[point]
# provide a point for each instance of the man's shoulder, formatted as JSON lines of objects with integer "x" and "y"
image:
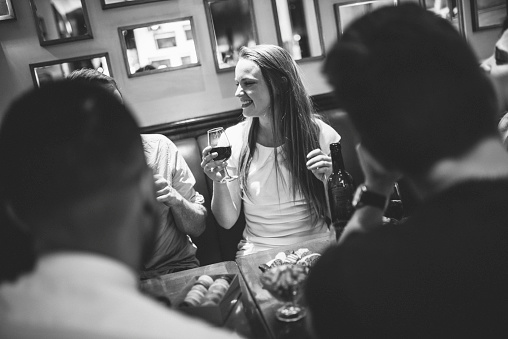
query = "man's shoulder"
{"x": 156, "y": 138}
{"x": 129, "y": 314}
{"x": 157, "y": 144}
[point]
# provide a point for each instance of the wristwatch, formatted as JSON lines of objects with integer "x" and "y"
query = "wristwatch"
{"x": 364, "y": 197}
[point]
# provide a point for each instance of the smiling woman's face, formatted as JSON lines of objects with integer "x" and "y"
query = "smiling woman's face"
{"x": 497, "y": 63}
{"x": 252, "y": 89}
{"x": 503, "y": 129}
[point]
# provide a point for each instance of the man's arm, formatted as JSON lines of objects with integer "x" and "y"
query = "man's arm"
{"x": 189, "y": 216}
{"x": 378, "y": 180}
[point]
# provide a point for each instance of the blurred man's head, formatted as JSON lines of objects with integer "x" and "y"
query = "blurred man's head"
{"x": 73, "y": 171}
{"x": 95, "y": 77}
{"x": 412, "y": 87}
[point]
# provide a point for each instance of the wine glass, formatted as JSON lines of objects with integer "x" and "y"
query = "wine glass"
{"x": 285, "y": 283}
{"x": 218, "y": 139}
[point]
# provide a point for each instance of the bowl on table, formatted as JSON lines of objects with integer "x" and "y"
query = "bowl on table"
{"x": 285, "y": 283}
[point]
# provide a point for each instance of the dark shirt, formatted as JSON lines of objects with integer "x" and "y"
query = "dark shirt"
{"x": 441, "y": 274}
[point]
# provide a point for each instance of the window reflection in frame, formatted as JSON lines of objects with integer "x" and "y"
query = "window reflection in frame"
{"x": 298, "y": 26}
{"x": 6, "y": 10}
{"x": 159, "y": 46}
{"x": 488, "y": 14}
{"x": 108, "y": 4}
{"x": 60, "y": 21}
{"x": 232, "y": 25}
{"x": 451, "y": 10}
{"x": 47, "y": 71}
{"x": 347, "y": 12}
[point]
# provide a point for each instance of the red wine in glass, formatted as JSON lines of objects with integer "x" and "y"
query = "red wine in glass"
{"x": 218, "y": 139}
{"x": 223, "y": 151}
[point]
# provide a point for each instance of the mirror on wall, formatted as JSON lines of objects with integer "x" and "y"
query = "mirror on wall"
{"x": 159, "y": 46}
{"x": 59, "y": 21}
{"x": 488, "y": 14}
{"x": 44, "y": 72}
{"x": 232, "y": 25}
{"x": 450, "y": 10}
{"x": 299, "y": 28}
{"x": 107, "y": 4}
{"x": 346, "y": 13}
{"x": 6, "y": 10}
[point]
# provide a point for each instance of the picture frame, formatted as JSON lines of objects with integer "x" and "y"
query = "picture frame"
{"x": 159, "y": 46}
{"x": 108, "y": 4}
{"x": 451, "y": 10}
{"x": 347, "y": 12}
{"x": 488, "y": 14}
{"x": 298, "y": 26}
{"x": 7, "y": 10}
{"x": 61, "y": 21}
{"x": 232, "y": 25}
{"x": 47, "y": 71}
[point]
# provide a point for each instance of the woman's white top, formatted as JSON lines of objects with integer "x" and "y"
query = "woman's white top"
{"x": 273, "y": 216}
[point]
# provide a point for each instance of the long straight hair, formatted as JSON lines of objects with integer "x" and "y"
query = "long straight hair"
{"x": 294, "y": 125}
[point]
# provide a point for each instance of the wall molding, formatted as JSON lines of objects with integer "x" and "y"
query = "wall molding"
{"x": 189, "y": 128}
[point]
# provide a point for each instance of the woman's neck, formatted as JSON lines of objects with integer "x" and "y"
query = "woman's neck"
{"x": 265, "y": 135}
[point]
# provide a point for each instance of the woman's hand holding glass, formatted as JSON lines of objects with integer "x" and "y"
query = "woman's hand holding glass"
{"x": 319, "y": 164}
{"x": 214, "y": 169}
{"x": 215, "y": 155}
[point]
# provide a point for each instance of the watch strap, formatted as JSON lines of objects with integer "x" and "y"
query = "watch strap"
{"x": 365, "y": 197}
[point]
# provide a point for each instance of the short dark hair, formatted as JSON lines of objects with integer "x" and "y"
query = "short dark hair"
{"x": 412, "y": 87}
{"x": 94, "y": 77}
{"x": 65, "y": 142}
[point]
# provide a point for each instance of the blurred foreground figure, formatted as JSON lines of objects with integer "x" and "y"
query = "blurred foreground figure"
{"x": 74, "y": 173}
{"x": 424, "y": 109}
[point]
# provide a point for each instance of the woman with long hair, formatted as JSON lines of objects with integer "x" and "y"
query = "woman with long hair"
{"x": 279, "y": 152}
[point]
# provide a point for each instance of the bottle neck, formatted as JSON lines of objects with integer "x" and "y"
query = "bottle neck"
{"x": 337, "y": 161}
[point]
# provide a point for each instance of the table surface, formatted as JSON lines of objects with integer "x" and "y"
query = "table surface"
{"x": 244, "y": 318}
{"x": 249, "y": 267}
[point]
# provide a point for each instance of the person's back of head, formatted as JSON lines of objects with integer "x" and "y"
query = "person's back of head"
{"x": 71, "y": 156}
{"x": 412, "y": 87}
{"x": 92, "y": 76}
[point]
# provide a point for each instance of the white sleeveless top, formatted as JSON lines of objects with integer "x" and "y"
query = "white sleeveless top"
{"x": 273, "y": 217}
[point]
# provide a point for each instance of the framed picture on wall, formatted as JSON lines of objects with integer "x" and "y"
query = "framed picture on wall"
{"x": 450, "y": 10}
{"x": 488, "y": 13}
{"x": 6, "y": 10}
{"x": 346, "y": 13}
{"x": 61, "y": 21}
{"x": 298, "y": 26}
{"x": 107, "y": 4}
{"x": 47, "y": 71}
{"x": 232, "y": 25}
{"x": 159, "y": 46}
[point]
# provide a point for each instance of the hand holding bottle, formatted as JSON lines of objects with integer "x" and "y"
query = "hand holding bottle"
{"x": 320, "y": 164}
